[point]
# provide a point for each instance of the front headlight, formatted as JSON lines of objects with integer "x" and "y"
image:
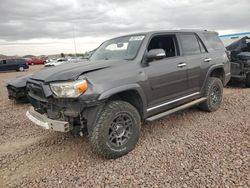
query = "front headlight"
{"x": 70, "y": 89}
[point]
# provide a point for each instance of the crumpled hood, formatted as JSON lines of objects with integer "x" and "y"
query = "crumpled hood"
{"x": 70, "y": 71}
{"x": 19, "y": 81}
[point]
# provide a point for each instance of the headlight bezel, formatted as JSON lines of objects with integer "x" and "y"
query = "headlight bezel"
{"x": 69, "y": 89}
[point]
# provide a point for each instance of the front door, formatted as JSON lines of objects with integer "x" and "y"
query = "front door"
{"x": 167, "y": 77}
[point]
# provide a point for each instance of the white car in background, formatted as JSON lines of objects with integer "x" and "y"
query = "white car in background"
{"x": 56, "y": 62}
{"x": 61, "y": 61}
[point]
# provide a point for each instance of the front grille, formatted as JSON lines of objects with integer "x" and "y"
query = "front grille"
{"x": 41, "y": 103}
{"x": 36, "y": 96}
{"x": 35, "y": 88}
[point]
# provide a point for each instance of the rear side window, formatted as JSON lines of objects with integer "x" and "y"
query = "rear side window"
{"x": 11, "y": 61}
{"x": 214, "y": 41}
{"x": 190, "y": 45}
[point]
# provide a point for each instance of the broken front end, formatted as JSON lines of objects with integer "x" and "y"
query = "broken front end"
{"x": 60, "y": 114}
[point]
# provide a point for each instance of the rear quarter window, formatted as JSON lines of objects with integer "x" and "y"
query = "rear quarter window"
{"x": 189, "y": 44}
{"x": 20, "y": 61}
{"x": 214, "y": 41}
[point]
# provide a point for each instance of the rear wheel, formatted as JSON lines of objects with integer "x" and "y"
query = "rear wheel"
{"x": 117, "y": 130}
{"x": 21, "y": 69}
{"x": 213, "y": 93}
{"x": 248, "y": 80}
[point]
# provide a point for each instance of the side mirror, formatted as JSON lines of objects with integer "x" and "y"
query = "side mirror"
{"x": 155, "y": 54}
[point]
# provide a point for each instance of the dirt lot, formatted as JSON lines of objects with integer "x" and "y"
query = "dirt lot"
{"x": 188, "y": 149}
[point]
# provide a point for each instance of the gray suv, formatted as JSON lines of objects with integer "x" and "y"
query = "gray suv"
{"x": 129, "y": 80}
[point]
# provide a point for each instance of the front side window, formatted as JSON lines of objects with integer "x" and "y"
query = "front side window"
{"x": 122, "y": 48}
{"x": 190, "y": 45}
{"x": 165, "y": 42}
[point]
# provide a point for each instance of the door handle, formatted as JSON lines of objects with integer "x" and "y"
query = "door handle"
{"x": 208, "y": 59}
{"x": 180, "y": 65}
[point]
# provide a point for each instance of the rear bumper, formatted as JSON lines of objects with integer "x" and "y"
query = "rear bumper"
{"x": 46, "y": 123}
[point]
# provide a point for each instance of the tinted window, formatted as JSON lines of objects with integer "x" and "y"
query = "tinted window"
{"x": 202, "y": 48}
{"x": 20, "y": 60}
{"x": 190, "y": 45}
{"x": 165, "y": 42}
{"x": 121, "y": 48}
{"x": 11, "y": 61}
{"x": 214, "y": 41}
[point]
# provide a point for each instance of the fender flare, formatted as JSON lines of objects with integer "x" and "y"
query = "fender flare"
{"x": 127, "y": 87}
{"x": 210, "y": 70}
{"x": 92, "y": 112}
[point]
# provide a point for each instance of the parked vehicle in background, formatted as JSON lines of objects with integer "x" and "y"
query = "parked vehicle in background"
{"x": 61, "y": 61}
{"x": 129, "y": 80}
{"x": 240, "y": 60}
{"x": 13, "y": 64}
{"x": 56, "y": 62}
{"x": 36, "y": 61}
{"x": 230, "y": 38}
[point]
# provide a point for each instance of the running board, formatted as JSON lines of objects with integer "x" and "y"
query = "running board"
{"x": 182, "y": 107}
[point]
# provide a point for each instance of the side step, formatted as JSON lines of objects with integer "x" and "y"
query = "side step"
{"x": 182, "y": 107}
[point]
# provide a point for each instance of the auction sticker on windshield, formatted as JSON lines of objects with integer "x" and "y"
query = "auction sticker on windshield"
{"x": 134, "y": 38}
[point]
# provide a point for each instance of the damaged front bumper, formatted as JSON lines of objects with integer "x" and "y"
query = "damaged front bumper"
{"x": 18, "y": 94}
{"x": 43, "y": 121}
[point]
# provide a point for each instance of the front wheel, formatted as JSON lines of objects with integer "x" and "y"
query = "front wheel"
{"x": 117, "y": 130}
{"x": 213, "y": 93}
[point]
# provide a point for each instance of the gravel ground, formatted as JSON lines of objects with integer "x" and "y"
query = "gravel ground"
{"x": 188, "y": 149}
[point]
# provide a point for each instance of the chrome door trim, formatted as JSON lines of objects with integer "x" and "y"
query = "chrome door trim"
{"x": 170, "y": 102}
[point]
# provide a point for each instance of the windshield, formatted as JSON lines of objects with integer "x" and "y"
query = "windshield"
{"x": 122, "y": 48}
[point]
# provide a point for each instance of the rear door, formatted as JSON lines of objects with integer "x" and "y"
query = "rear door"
{"x": 12, "y": 64}
{"x": 192, "y": 48}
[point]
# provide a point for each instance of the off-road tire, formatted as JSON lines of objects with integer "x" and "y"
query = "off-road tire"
{"x": 213, "y": 92}
{"x": 248, "y": 80}
{"x": 100, "y": 136}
